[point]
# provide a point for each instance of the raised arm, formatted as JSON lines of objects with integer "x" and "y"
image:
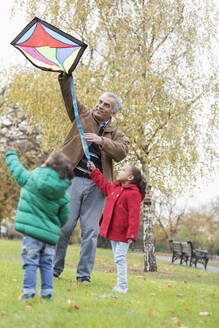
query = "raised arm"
{"x": 17, "y": 170}
{"x": 101, "y": 182}
{"x": 65, "y": 85}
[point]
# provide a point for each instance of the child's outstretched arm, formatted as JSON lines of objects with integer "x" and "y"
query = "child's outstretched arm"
{"x": 17, "y": 170}
{"x": 99, "y": 179}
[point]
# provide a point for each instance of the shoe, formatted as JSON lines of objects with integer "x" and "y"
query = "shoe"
{"x": 120, "y": 289}
{"x": 114, "y": 288}
{"x": 26, "y": 297}
{"x": 55, "y": 275}
{"x": 85, "y": 280}
{"x": 48, "y": 297}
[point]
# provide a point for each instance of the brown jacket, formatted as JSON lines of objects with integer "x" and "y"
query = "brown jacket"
{"x": 115, "y": 143}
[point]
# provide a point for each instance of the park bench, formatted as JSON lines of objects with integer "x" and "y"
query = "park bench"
{"x": 186, "y": 253}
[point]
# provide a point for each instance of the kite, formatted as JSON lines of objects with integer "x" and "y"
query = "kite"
{"x": 51, "y": 49}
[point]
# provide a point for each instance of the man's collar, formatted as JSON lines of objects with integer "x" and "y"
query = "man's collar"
{"x": 104, "y": 124}
{"x": 108, "y": 128}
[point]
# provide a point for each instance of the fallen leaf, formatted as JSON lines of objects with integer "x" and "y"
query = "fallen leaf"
{"x": 181, "y": 326}
{"x": 151, "y": 311}
{"x": 141, "y": 277}
{"x": 28, "y": 306}
{"x": 186, "y": 309}
{"x": 153, "y": 294}
{"x": 169, "y": 285}
{"x": 73, "y": 305}
{"x": 75, "y": 285}
{"x": 68, "y": 289}
{"x": 179, "y": 295}
{"x": 2, "y": 314}
{"x": 139, "y": 289}
{"x": 175, "y": 320}
{"x": 205, "y": 313}
{"x": 185, "y": 281}
{"x": 104, "y": 296}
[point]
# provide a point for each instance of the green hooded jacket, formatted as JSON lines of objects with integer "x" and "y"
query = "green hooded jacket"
{"x": 43, "y": 206}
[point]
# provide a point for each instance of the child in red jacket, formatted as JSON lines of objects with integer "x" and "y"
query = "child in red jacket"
{"x": 120, "y": 220}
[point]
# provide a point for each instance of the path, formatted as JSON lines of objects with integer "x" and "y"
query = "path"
{"x": 199, "y": 265}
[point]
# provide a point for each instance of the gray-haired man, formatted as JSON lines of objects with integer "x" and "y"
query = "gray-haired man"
{"x": 106, "y": 143}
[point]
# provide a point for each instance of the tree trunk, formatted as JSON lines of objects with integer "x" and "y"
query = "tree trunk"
{"x": 150, "y": 264}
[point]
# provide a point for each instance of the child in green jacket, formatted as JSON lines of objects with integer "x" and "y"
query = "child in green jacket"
{"x": 43, "y": 209}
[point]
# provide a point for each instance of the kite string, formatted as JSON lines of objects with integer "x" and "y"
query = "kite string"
{"x": 84, "y": 142}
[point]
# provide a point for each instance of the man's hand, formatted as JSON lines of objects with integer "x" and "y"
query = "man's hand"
{"x": 91, "y": 166}
{"x": 92, "y": 137}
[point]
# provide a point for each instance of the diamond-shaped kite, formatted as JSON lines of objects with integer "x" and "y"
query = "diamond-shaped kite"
{"x": 51, "y": 49}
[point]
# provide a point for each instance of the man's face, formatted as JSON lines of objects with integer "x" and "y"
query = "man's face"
{"x": 103, "y": 111}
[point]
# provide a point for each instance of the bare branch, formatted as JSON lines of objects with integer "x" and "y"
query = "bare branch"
{"x": 178, "y": 21}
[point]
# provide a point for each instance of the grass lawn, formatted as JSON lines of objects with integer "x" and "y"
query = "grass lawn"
{"x": 174, "y": 297}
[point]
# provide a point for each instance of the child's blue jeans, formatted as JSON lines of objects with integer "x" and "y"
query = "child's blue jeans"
{"x": 37, "y": 254}
{"x": 120, "y": 250}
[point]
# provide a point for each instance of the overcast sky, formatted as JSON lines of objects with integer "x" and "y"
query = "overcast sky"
{"x": 10, "y": 27}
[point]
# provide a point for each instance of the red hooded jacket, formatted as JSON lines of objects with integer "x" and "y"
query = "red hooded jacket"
{"x": 120, "y": 219}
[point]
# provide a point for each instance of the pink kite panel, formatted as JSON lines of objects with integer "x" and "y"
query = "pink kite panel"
{"x": 35, "y": 54}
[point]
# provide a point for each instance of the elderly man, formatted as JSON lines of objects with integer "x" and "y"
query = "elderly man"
{"x": 106, "y": 143}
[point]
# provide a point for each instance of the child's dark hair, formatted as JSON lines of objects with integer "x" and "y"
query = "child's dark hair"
{"x": 61, "y": 164}
{"x": 139, "y": 179}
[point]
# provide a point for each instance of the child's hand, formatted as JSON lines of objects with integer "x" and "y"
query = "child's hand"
{"x": 91, "y": 166}
{"x": 9, "y": 148}
{"x": 130, "y": 241}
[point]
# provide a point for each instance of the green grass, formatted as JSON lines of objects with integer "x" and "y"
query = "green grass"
{"x": 173, "y": 297}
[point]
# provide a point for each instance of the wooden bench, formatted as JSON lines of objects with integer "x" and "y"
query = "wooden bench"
{"x": 176, "y": 249}
{"x": 187, "y": 254}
